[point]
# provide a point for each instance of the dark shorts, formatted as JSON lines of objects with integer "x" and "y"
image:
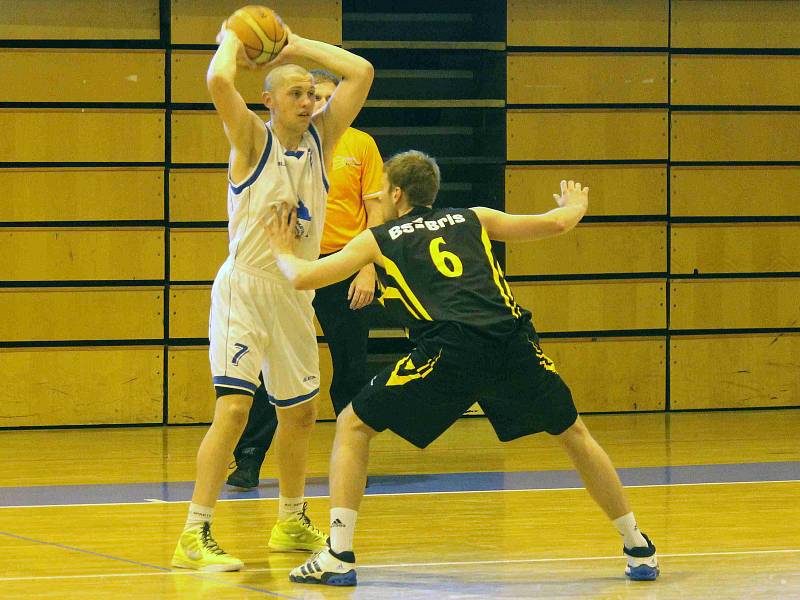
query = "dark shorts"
{"x": 425, "y": 392}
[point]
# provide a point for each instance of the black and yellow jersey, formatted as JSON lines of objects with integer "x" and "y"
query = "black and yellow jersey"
{"x": 439, "y": 267}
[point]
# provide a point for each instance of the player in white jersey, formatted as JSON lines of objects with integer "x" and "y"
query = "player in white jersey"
{"x": 259, "y": 323}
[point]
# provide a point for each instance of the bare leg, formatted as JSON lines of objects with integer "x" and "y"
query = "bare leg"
{"x": 348, "y": 470}
{"x": 216, "y": 449}
{"x": 295, "y": 425}
{"x": 596, "y": 470}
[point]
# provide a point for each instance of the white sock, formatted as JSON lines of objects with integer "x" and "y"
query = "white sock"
{"x": 198, "y": 515}
{"x": 343, "y": 526}
{"x": 629, "y": 530}
{"x": 289, "y": 508}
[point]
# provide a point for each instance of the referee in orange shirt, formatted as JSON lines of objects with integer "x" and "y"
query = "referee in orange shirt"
{"x": 353, "y": 205}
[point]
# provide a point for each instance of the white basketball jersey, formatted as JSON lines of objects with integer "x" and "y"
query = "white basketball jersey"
{"x": 296, "y": 177}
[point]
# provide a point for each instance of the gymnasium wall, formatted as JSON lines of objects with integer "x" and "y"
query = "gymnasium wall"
{"x": 112, "y": 218}
{"x": 681, "y": 287}
{"x": 679, "y": 290}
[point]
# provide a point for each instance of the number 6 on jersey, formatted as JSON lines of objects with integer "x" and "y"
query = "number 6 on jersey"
{"x": 448, "y": 263}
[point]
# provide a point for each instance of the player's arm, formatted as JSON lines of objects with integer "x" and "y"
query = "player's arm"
{"x": 362, "y": 288}
{"x": 372, "y": 181}
{"x": 308, "y": 274}
{"x": 239, "y": 121}
{"x": 356, "y": 73}
{"x": 572, "y": 204}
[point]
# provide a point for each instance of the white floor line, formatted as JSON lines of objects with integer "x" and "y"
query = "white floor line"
{"x": 419, "y": 565}
{"x": 152, "y": 501}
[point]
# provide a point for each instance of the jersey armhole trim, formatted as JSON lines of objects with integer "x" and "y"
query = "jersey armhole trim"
{"x": 237, "y": 189}
{"x": 313, "y": 131}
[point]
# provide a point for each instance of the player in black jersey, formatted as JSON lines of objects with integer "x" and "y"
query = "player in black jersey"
{"x": 472, "y": 342}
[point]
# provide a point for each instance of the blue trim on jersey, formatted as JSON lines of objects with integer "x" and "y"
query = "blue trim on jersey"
{"x": 314, "y": 134}
{"x": 292, "y": 401}
{"x": 237, "y": 189}
{"x": 234, "y": 382}
{"x": 294, "y": 153}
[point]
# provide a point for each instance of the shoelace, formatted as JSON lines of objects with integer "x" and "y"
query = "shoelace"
{"x": 208, "y": 542}
{"x": 306, "y": 521}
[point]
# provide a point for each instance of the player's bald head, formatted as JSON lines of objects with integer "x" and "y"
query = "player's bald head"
{"x": 279, "y": 76}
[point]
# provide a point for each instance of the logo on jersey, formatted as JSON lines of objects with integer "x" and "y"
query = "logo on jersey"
{"x": 345, "y": 161}
{"x": 303, "y": 225}
{"x": 418, "y": 223}
{"x": 242, "y": 350}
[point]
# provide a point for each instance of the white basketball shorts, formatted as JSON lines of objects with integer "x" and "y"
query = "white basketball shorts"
{"x": 260, "y": 324}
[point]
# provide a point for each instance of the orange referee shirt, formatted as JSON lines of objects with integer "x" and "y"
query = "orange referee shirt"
{"x": 355, "y": 178}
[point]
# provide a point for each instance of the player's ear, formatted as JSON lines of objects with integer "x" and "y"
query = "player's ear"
{"x": 266, "y": 98}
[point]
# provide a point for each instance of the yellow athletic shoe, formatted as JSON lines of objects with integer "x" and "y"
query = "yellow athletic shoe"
{"x": 198, "y": 550}
{"x": 297, "y": 535}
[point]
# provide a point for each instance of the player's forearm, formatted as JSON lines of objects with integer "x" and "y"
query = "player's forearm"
{"x": 295, "y": 269}
{"x": 312, "y": 274}
{"x": 525, "y": 228}
{"x": 337, "y": 60}
{"x": 565, "y": 218}
{"x": 222, "y": 70}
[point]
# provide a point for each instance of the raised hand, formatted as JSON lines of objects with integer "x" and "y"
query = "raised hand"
{"x": 242, "y": 59}
{"x": 572, "y": 194}
{"x": 290, "y": 51}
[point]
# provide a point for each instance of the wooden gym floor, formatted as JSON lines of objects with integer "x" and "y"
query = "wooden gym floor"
{"x": 95, "y": 513}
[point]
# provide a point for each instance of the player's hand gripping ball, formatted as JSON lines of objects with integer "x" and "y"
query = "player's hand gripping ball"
{"x": 261, "y": 31}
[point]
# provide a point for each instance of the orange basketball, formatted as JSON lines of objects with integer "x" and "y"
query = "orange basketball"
{"x": 260, "y": 30}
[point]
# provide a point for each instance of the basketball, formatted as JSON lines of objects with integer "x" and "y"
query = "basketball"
{"x": 260, "y": 30}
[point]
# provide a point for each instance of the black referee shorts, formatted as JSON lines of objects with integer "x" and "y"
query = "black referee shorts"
{"x": 425, "y": 392}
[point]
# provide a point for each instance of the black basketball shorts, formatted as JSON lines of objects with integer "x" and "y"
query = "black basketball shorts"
{"x": 426, "y": 391}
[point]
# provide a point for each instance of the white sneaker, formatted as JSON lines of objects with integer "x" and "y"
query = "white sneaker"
{"x": 642, "y": 562}
{"x": 327, "y": 568}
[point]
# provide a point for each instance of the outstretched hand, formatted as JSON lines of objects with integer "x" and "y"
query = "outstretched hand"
{"x": 281, "y": 226}
{"x": 572, "y": 194}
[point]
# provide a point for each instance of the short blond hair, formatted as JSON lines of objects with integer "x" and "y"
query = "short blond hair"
{"x": 277, "y": 75}
{"x": 417, "y": 174}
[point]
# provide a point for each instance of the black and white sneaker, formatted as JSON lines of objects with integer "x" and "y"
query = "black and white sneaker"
{"x": 642, "y": 562}
{"x": 328, "y": 568}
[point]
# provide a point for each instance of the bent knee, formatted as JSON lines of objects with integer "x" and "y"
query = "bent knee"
{"x": 234, "y": 409}
{"x": 301, "y": 416}
{"x": 575, "y": 433}
{"x": 350, "y": 421}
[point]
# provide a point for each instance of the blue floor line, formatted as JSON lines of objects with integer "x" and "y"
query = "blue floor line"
{"x": 181, "y": 491}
